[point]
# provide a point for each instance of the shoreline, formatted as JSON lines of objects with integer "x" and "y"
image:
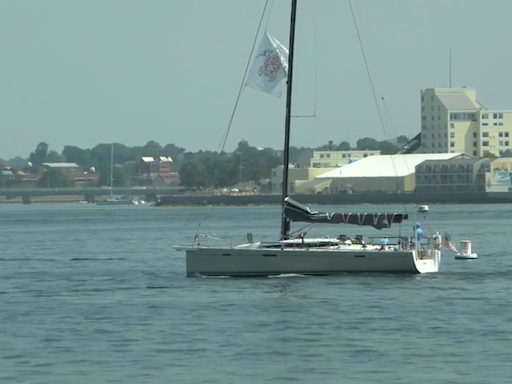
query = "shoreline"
{"x": 328, "y": 199}
{"x": 340, "y": 199}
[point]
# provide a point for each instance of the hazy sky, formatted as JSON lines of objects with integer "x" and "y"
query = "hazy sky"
{"x": 85, "y": 72}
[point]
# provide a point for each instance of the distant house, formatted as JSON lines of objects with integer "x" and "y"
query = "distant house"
{"x": 12, "y": 178}
{"x": 151, "y": 167}
{"x": 72, "y": 170}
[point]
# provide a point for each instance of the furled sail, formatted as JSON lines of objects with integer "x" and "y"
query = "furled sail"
{"x": 295, "y": 211}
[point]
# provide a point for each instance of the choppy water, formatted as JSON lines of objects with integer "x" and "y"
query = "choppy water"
{"x": 97, "y": 295}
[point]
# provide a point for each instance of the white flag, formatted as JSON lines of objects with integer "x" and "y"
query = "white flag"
{"x": 269, "y": 68}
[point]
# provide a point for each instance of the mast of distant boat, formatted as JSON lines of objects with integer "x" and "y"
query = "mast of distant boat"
{"x": 112, "y": 170}
{"x": 285, "y": 222}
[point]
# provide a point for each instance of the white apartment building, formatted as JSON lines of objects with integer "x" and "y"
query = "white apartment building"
{"x": 453, "y": 121}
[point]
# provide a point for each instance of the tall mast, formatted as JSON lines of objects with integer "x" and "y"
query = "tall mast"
{"x": 285, "y": 223}
{"x": 112, "y": 169}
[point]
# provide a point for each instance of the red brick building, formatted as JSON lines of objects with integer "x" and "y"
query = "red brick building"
{"x": 155, "y": 169}
{"x": 72, "y": 170}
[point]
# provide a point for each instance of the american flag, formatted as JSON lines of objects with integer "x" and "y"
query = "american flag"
{"x": 447, "y": 242}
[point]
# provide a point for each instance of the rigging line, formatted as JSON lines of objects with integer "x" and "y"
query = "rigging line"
{"x": 370, "y": 78}
{"x": 269, "y": 14}
{"x": 314, "y": 63}
{"x": 389, "y": 115}
{"x": 360, "y": 18}
{"x": 366, "y": 65}
{"x": 242, "y": 86}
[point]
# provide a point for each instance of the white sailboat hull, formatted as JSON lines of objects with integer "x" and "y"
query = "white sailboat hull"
{"x": 115, "y": 202}
{"x": 208, "y": 261}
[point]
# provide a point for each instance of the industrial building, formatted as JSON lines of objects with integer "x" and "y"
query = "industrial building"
{"x": 384, "y": 173}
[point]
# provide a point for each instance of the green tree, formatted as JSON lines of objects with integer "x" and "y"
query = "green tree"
{"x": 402, "y": 140}
{"x": 386, "y": 148}
{"x": 489, "y": 155}
{"x": 74, "y": 154}
{"x": 152, "y": 148}
{"x": 367, "y": 143}
{"x": 192, "y": 175}
{"x": 38, "y": 157}
{"x": 343, "y": 146}
{"x": 53, "y": 178}
{"x": 221, "y": 171}
{"x": 53, "y": 157}
{"x": 119, "y": 177}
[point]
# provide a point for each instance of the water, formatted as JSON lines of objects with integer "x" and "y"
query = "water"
{"x": 94, "y": 294}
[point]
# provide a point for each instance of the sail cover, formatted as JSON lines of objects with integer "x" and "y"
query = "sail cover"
{"x": 298, "y": 212}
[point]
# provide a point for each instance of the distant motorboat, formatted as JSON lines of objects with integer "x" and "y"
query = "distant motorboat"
{"x": 83, "y": 202}
{"x": 422, "y": 208}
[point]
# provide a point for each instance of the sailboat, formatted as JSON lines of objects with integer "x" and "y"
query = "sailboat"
{"x": 113, "y": 200}
{"x": 272, "y": 70}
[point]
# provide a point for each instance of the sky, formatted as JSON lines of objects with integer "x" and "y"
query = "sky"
{"x": 128, "y": 71}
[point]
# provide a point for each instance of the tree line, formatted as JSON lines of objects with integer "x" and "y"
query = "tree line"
{"x": 196, "y": 169}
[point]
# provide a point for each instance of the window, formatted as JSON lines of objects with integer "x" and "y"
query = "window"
{"x": 452, "y": 144}
{"x": 322, "y": 156}
{"x": 506, "y": 143}
{"x": 438, "y": 117}
{"x": 423, "y": 117}
{"x": 485, "y": 143}
{"x": 485, "y": 116}
{"x": 423, "y": 126}
{"x": 506, "y": 134}
{"x": 452, "y": 135}
{"x": 501, "y": 134}
{"x": 501, "y": 144}
{"x": 474, "y": 143}
{"x": 328, "y": 155}
{"x": 432, "y": 108}
{"x": 500, "y": 115}
{"x": 422, "y": 98}
{"x": 485, "y": 134}
{"x": 438, "y": 107}
{"x": 474, "y": 153}
{"x": 474, "y": 135}
{"x": 423, "y": 109}
{"x": 432, "y": 98}
{"x": 494, "y": 115}
{"x": 432, "y": 117}
{"x": 452, "y": 125}
{"x": 485, "y": 124}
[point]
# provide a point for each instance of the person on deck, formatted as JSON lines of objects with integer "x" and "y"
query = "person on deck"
{"x": 418, "y": 233}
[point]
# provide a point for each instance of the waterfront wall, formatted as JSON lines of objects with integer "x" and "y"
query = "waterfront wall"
{"x": 345, "y": 199}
